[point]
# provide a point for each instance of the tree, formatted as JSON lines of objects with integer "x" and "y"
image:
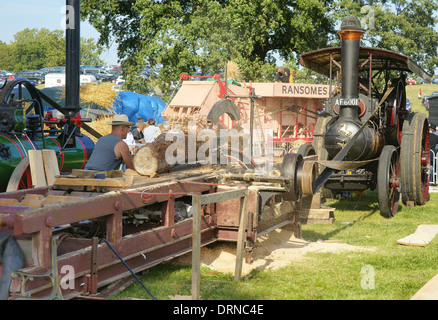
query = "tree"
{"x": 90, "y": 52}
{"x": 6, "y": 57}
{"x": 38, "y": 48}
{"x": 207, "y": 33}
{"x": 404, "y": 26}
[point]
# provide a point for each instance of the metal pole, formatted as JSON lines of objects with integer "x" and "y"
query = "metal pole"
{"x": 72, "y": 55}
{"x": 251, "y": 124}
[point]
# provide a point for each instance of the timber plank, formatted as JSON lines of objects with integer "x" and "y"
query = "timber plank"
{"x": 37, "y": 168}
{"x": 109, "y": 182}
{"x": 31, "y": 203}
{"x": 51, "y": 199}
{"x": 29, "y": 196}
{"x": 50, "y": 165}
{"x": 9, "y": 202}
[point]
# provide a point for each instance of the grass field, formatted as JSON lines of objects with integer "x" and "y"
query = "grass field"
{"x": 412, "y": 95}
{"x": 398, "y": 271}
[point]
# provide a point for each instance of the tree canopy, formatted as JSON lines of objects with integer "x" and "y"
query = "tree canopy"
{"x": 186, "y": 34}
{"x": 206, "y": 34}
{"x": 404, "y": 26}
{"x": 34, "y": 49}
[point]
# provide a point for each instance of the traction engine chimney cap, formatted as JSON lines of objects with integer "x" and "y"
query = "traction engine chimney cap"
{"x": 351, "y": 29}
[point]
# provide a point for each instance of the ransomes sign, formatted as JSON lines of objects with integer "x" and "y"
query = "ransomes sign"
{"x": 301, "y": 90}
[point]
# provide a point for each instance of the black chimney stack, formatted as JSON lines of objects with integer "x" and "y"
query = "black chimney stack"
{"x": 72, "y": 54}
{"x": 350, "y": 34}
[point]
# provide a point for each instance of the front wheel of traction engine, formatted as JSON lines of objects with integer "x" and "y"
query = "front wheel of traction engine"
{"x": 388, "y": 182}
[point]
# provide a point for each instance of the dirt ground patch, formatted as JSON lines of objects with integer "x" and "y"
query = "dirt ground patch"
{"x": 271, "y": 251}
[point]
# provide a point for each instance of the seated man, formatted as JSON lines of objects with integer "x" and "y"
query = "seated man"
{"x": 110, "y": 150}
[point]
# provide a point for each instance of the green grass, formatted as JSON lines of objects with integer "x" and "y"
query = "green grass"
{"x": 399, "y": 271}
{"x": 412, "y": 95}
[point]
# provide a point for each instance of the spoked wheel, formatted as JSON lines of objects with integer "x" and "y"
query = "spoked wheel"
{"x": 21, "y": 177}
{"x": 388, "y": 183}
{"x": 415, "y": 159}
{"x": 396, "y": 113}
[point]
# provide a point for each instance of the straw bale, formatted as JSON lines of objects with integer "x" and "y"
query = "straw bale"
{"x": 233, "y": 71}
{"x": 101, "y": 94}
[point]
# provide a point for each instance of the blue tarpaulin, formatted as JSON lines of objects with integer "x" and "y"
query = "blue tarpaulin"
{"x": 136, "y": 105}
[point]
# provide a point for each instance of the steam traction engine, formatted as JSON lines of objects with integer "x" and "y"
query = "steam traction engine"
{"x": 367, "y": 138}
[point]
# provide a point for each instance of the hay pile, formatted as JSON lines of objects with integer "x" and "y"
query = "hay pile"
{"x": 233, "y": 71}
{"x": 100, "y": 126}
{"x": 102, "y": 95}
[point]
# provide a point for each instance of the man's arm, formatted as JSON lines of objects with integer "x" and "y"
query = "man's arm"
{"x": 122, "y": 151}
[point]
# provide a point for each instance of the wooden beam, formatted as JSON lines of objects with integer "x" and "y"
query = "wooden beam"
{"x": 241, "y": 239}
{"x": 222, "y": 196}
{"x": 196, "y": 248}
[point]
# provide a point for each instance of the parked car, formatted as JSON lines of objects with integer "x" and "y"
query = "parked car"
{"x": 408, "y": 105}
{"x": 37, "y": 76}
{"x": 435, "y": 81}
{"x": 32, "y": 82}
{"x": 109, "y": 76}
{"x": 426, "y": 99}
{"x": 95, "y": 72}
{"x": 426, "y": 102}
{"x": 7, "y": 74}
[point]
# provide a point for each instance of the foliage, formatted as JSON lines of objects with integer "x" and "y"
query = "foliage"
{"x": 207, "y": 34}
{"x": 39, "y": 48}
{"x": 183, "y": 35}
{"x": 403, "y": 26}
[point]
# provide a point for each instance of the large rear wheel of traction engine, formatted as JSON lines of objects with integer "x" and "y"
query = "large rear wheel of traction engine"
{"x": 415, "y": 159}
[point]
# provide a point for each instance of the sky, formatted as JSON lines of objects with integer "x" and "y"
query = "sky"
{"x": 17, "y": 15}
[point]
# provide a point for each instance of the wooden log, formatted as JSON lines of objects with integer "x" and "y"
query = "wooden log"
{"x": 151, "y": 158}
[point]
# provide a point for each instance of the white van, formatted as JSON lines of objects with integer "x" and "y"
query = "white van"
{"x": 87, "y": 78}
{"x": 55, "y": 80}
{"x": 58, "y": 79}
